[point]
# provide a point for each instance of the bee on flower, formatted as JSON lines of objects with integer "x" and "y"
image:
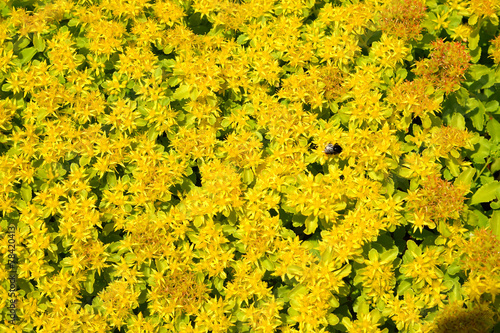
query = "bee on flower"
{"x": 333, "y": 149}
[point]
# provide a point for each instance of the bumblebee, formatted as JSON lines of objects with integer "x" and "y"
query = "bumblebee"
{"x": 333, "y": 149}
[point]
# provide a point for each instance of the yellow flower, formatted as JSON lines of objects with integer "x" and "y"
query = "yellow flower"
{"x": 365, "y": 323}
{"x": 441, "y": 20}
{"x": 448, "y": 140}
{"x": 437, "y": 200}
{"x": 126, "y": 8}
{"x": 462, "y": 32}
{"x": 123, "y": 115}
{"x": 136, "y": 62}
{"x": 479, "y": 285}
{"x": 106, "y": 37}
{"x": 389, "y": 51}
{"x": 168, "y": 12}
{"x": 116, "y": 85}
{"x": 61, "y": 51}
{"x": 214, "y": 316}
{"x": 406, "y": 312}
{"x": 6, "y": 57}
{"x": 140, "y": 324}
{"x": 435, "y": 293}
{"x": 494, "y": 49}
{"x": 416, "y": 165}
{"x": 423, "y": 265}
{"x": 486, "y": 8}
{"x": 118, "y": 298}
{"x": 377, "y": 276}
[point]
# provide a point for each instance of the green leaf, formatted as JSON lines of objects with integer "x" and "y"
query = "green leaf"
{"x": 21, "y": 43}
{"x": 39, "y": 43}
{"x": 453, "y": 166}
{"x": 89, "y": 283}
{"x": 162, "y": 265}
{"x": 493, "y": 129}
{"x": 242, "y": 39}
{"x": 268, "y": 265}
{"x": 26, "y": 192}
{"x": 453, "y": 269}
{"x": 152, "y": 134}
{"x": 247, "y": 176}
{"x": 483, "y": 77}
{"x": 225, "y": 123}
{"x": 474, "y": 38}
{"x": 194, "y": 94}
{"x": 84, "y": 160}
{"x": 473, "y": 19}
{"x": 73, "y": 22}
{"x": 476, "y": 54}
{"x": 405, "y": 172}
{"x": 283, "y": 293}
{"x": 344, "y": 271}
{"x": 6, "y": 87}
{"x": 390, "y": 255}
{"x": 4, "y": 9}
{"x": 415, "y": 251}
{"x": 483, "y": 150}
{"x": 477, "y": 218}
{"x": 158, "y": 72}
{"x": 443, "y": 229}
{"x": 229, "y": 229}
{"x": 27, "y": 54}
{"x": 327, "y": 255}
{"x": 297, "y": 291}
{"x": 402, "y": 73}
{"x": 218, "y": 283}
{"x": 311, "y": 224}
{"x": 373, "y": 255}
{"x": 456, "y": 292}
{"x": 477, "y": 71}
{"x": 492, "y": 107}
{"x": 476, "y": 113}
{"x": 466, "y": 177}
{"x": 495, "y": 223}
{"x": 198, "y": 221}
{"x": 297, "y": 219}
{"x": 458, "y": 121}
{"x": 108, "y": 228}
{"x": 486, "y": 193}
{"x": 173, "y": 81}
{"x": 332, "y": 319}
{"x": 403, "y": 286}
{"x": 495, "y": 166}
{"x": 111, "y": 179}
{"x": 494, "y": 19}
{"x": 82, "y": 42}
{"x": 426, "y": 121}
{"x": 183, "y": 92}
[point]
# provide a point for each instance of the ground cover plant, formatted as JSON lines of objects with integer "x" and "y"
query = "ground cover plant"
{"x": 249, "y": 166}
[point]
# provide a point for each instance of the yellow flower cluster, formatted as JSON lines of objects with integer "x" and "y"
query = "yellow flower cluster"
{"x": 482, "y": 262}
{"x": 494, "y": 49}
{"x": 437, "y": 200}
{"x": 165, "y": 165}
{"x": 456, "y": 318}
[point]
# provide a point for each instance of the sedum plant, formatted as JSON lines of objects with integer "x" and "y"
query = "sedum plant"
{"x": 249, "y": 166}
